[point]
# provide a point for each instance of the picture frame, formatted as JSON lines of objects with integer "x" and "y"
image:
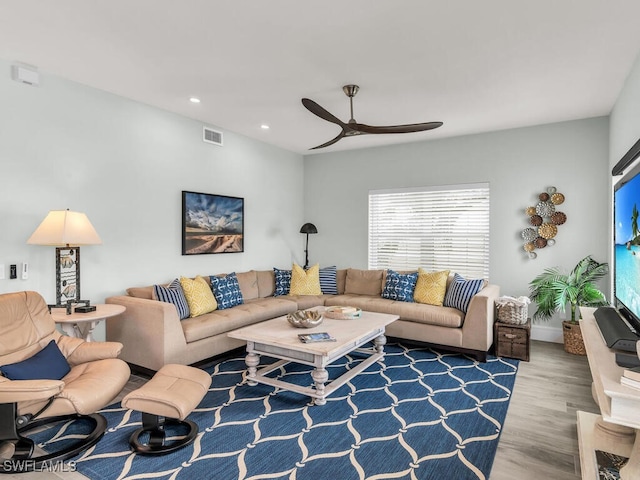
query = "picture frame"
{"x": 212, "y": 223}
{"x": 67, "y": 275}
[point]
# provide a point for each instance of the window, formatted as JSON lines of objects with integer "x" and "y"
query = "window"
{"x": 436, "y": 228}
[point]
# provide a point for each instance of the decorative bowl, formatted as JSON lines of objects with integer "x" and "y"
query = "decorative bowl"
{"x": 305, "y": 318}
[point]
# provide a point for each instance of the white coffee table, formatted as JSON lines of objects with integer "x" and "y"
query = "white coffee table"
{"x": 279, "y": 339}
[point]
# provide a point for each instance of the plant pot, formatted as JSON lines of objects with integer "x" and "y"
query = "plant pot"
{"x": 573, "y": 342}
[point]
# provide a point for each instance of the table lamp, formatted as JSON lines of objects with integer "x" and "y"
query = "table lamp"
{"x": 66, "y": 230}
{"x": 307, "y": 228}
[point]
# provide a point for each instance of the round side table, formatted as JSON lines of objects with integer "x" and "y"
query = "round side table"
{"x": 81, "y": 325}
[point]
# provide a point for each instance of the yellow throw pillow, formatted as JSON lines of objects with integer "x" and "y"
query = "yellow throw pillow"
{"x": 431, "y": 287}
{"x": 305, "y": 283}
{"x": 199, "y": 295}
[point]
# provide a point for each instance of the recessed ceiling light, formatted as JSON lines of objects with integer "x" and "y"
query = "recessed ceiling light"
{"x": 264, "y": 126}
{"x": 194, "y": 100}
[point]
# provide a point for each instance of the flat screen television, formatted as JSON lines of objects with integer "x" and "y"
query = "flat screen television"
{"x": 626, "y": 212}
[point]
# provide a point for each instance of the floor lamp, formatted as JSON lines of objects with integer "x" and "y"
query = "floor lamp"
{"x": 66, "y": 231}
{"x": 307, "y": 228}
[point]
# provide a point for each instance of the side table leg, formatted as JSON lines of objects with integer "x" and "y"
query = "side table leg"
{"x": 320, "y": 376}
{"x": 252, "y": 360}
{"x": 69, "y": 329}
{"x": 379, "y": 343}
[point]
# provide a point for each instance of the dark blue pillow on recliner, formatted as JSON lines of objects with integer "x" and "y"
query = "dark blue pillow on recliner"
{"x": 47, "y": 364}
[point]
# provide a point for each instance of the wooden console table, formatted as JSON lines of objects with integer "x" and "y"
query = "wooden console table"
{"x": 613, "y": 431}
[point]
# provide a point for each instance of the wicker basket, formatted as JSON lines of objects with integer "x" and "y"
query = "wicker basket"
{"x": 512, "y": 311}
{"x": 573, "y": 341}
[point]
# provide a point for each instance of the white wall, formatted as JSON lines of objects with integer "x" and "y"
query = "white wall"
{"x": 64, "y": 145}
{"x": 518, "y": 164}
{"x": 624, "y": 129}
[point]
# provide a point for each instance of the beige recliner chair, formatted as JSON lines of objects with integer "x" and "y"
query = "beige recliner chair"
{"x": 48, "y": 377}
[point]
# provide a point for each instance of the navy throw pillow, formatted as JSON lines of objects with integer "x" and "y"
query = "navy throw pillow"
{"x": 283, "y": 282}
{"x": 226, "y": 290}
{"x": 400, "y": 286}
{"x": 47, "y": 364}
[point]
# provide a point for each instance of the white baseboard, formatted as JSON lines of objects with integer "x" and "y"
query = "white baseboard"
{"x": 546, "y": 334}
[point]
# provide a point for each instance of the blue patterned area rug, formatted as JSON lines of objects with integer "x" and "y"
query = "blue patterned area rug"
{"x": 419, "y": 415}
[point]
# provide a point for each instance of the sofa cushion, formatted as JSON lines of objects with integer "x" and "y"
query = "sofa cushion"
{"x": 307, "y": 301}
{"x": 461, "y": 291}
{"x": 173, "y": 294}
{"x": 248, "y": 282}
{"x": 398, "y": 286}
{"x": 47, "y": 364}
{"x": 341, "y": 277}
{"x": 223, "y": 321}
{"x": 141, "y": 292}
{"x": 363, "y": 282}
{"x": 410, "y": 311}
{"x": 329, "y": 280}
{"x": 226, "y": 290}
{"x": 266, "y": 283}
{"x": 305, "y": 282}
{"x": 199, "y": 295}
{"x": 431, "y": 287}
{"x": 282, "y": 279}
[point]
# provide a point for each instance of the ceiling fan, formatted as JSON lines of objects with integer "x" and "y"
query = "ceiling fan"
{"x": 352, "y": 128}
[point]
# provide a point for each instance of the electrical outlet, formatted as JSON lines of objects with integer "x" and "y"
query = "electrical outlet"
{"x": 25, "y": 270}
{"x": 1, "y": 271}
{"x": 13, "y": 271}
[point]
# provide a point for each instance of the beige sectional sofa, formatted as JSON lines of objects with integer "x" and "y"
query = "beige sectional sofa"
{"x": 153, "y": 334}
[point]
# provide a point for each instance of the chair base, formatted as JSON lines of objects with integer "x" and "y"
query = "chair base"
{"x": 23, "y": 459}
{"x": 153, "y": 425}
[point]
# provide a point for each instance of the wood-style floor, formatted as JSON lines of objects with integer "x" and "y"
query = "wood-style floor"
{"x": 539, "y": 439}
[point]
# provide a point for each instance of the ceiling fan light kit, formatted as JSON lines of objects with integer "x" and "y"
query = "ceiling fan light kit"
{"x": 352, "y": 128}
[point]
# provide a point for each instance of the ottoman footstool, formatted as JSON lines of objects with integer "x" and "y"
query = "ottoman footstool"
{"x": 167, "y": 399}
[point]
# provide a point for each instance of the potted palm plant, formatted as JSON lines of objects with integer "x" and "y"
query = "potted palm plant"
{"x": 552, "y": 290}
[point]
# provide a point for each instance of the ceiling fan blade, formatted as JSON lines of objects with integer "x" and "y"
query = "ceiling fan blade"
{"x": 409, "y": 128}
{"x": 330, "y": 142}
{"x": 316, "y": 109}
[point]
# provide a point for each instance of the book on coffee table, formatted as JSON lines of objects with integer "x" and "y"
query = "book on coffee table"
{"x": 316, "y": 337}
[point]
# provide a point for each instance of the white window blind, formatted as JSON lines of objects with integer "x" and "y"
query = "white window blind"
{"x": 436, "y": 228}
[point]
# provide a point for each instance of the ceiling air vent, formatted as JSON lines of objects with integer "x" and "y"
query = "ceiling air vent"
{"x": 211, "y": 136}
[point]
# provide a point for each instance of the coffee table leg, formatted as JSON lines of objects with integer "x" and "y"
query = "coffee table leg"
{"x": 320, "y": 376}
{"x": 252, "y": 360}
{"x": 379, "y": 343}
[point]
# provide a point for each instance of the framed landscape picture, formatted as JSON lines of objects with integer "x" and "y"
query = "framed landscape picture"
{"x": 212, "y": 223}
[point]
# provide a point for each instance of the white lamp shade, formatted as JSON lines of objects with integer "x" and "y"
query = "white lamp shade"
{"x": 65, "y": 228}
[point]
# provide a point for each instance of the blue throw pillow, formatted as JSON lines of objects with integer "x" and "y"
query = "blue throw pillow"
{"x": 173, "y": 293}
{"x": 47, "y": 364}
{"x": 399, "y": 286}
{"x": 461, "y": 291}
{"x": 283, "y": 281}
{"x": 227, "y": 291}
{"x": 329, "y": 280}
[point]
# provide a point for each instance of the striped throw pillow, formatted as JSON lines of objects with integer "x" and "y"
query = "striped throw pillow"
{"x": 173, "y": 293}
{"x": 461, "y": 291}
{"x": 329, "y": 280}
